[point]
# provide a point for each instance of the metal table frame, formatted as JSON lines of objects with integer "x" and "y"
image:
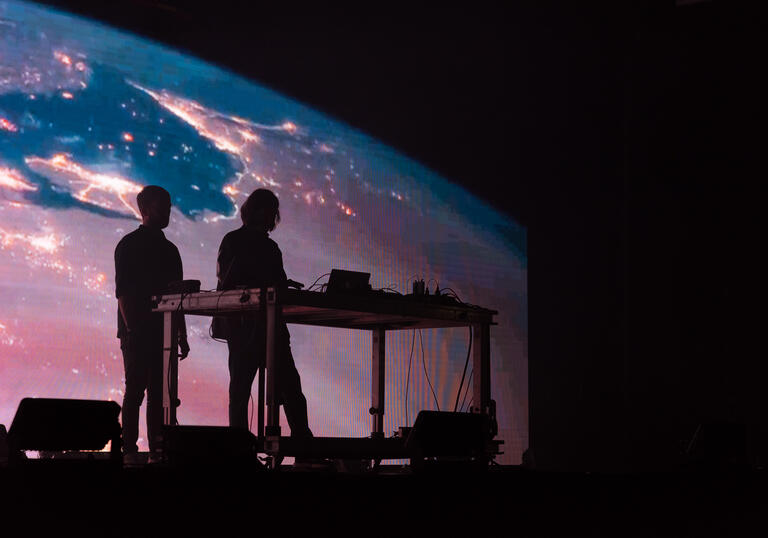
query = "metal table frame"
{"x": 377, "y": 312}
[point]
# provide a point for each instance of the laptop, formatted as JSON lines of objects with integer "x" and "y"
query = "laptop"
{"x": 342, "y": 281}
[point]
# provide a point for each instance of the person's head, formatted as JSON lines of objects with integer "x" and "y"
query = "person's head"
{"x": 261, "y": 209}
{"x": 155, "y": 206}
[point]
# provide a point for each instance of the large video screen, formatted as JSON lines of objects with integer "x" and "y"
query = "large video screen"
{"x": 89, "y": 115}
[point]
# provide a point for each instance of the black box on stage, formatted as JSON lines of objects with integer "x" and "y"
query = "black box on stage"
{"x": 449, "y": 434}
{"x": 210, "y": 446}
{"x": 52, "y": 424}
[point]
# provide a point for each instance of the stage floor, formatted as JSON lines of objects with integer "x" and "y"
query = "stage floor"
{"x": 94, "y": 498}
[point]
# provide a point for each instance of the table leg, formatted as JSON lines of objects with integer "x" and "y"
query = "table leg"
{"x": 260, "y": 413}
{"x": 377, "y": 383}
{"x": 273, "y": 408}
{"x": 170, "y": 367}
{"x": 481, "y": 363}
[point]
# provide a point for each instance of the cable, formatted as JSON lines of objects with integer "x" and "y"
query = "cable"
{"x": 456, "y": 295}
{"x": 465, "y": 394}
{"x": 466, "y": 391}
{"x": 408, "y": 378}
{"x": 315, "y": 282}
{"x": 180, "y": 308}
{"x": 424, "y": 364}
{"x": 390, "y": 289}
{"x": 466, "y": 363}
{"x": 250, "y": 421}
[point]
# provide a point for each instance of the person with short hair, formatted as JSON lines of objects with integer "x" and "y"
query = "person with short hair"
{"x": 249, "y": 258}
{"x": 145, "y": 264}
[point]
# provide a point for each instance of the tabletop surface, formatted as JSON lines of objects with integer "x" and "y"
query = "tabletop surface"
{"x": 367, "y": 310}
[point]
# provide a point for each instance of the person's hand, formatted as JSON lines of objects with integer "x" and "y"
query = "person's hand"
{"x": 183, "y": 347}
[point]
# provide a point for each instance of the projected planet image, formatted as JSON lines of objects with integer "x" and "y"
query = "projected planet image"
{"x": 89, "y": 115}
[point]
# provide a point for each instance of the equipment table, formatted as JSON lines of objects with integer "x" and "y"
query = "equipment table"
{"x": 375, "y": 311}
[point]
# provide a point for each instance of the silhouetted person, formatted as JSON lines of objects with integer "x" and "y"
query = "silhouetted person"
{"x": 145, "y": 263}
{"x": 249, "y": 258}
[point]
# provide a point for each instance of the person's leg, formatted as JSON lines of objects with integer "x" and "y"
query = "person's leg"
{"x": 136, "y": 375}
{"x": 242, "y": 370}
{"x": 154, "y": 356}
{"x": 291, "y": 395}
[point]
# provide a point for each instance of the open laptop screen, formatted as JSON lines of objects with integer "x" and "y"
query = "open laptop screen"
{"x": 342, "y": 281}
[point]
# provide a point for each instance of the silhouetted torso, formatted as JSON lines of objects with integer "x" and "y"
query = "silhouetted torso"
{"x": 248, "y": 257}
{"x": 145, "y": 263}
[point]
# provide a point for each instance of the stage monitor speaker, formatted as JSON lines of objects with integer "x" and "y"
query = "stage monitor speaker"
{"x": 50, "y": 424}
{"x": 437, "y": 434}
{"x": 210, "y": 446}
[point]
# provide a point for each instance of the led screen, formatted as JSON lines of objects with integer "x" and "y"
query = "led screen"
{"x": 89, "y": 115}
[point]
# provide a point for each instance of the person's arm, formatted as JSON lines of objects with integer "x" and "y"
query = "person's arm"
{"x": 125, "y": 287}
{"x": 128, "y": 309}
{"x": 183, "y": 342}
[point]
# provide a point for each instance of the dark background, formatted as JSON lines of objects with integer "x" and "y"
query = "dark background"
{"x": 625, "y": 137}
